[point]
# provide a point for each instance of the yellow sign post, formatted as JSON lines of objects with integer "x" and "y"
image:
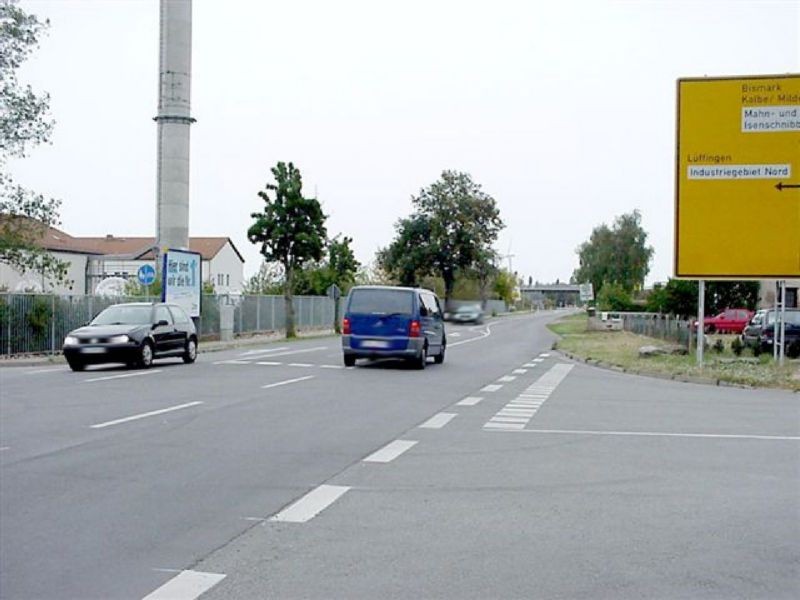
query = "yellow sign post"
{"x": 737, "y": 201}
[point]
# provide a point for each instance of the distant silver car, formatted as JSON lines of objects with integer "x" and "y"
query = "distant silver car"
{"x": 468, "y": 313}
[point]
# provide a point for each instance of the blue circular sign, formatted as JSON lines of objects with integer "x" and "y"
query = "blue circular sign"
{"x": 146, "y": 274}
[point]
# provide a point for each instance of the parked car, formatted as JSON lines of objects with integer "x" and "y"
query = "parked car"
{"x": 731, "y": 320}
{"x": 467, "y": 313}
{"x": 383, "y": 321}
{"x": 760, "y": 331}
{"x": 133, "y": 334}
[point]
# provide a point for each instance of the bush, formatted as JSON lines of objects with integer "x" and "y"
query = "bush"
{"x": 613, "y": 297}
{"x": 793, "y": 349}
{"x": 737, "y": 346}
{"x": 756, "y": 350}
{"x": 719, "y": 346}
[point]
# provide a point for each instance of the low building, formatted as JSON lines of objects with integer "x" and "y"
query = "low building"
{"x": 93, "y": 259}
{"x": 768, "y": 293}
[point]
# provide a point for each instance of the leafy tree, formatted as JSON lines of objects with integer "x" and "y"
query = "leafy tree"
{"x": 291, "y": 229}
{"x": 342, "y": 262}
{"x": 267, "y": 282}
{"x": 24, "y": 122}
{"x": 453, "y": 223}
{"x": 504, "y": 285}
{"x": 617, "y": 254}
{"x": 679, "y": 297}
{"x": 615, "y": 297}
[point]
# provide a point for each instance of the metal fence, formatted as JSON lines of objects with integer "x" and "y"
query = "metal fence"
{"x": 38, "y": 323}
{"x": 660, "y": 326}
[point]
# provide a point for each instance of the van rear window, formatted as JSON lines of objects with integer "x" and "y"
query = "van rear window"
{"x": 381, "y": 302}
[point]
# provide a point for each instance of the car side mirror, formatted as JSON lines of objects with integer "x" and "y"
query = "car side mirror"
{"x": 161, "y": 323}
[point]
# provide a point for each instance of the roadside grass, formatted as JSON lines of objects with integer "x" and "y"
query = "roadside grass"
{"x": 621, "y": 349}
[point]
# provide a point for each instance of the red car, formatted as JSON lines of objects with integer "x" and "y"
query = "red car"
{"x": 731, "y": 320}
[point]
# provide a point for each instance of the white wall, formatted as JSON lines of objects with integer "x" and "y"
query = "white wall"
{"x": 9, "y": 278}
{"x": 229, "y": 266}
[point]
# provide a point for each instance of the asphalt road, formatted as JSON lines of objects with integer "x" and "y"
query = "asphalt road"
{"x": 507, "y": 472}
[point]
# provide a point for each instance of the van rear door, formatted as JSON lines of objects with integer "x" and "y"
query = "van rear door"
{"x": 380, "y": 318}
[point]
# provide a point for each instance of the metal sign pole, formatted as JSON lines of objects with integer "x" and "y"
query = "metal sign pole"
{"x": 783, "y": 321}
{"x": 776, "y": 320}
{"x": 701, "y": 317}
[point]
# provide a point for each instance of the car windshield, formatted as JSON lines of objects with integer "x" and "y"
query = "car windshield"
{"x": 366, "y": 301}
{"x": 124, "y": 315}
{"x": 466, "y": 309}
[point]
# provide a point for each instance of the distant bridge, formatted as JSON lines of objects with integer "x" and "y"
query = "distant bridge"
{"x": 560, "y": 294}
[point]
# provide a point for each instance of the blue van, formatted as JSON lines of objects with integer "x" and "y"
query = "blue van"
{"x": 400, "y": 322}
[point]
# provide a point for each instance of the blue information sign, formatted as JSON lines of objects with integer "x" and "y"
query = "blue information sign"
{"x": 146, "y": 274}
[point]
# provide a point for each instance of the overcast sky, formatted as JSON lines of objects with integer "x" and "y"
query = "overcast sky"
{"x": 563, "y": 111}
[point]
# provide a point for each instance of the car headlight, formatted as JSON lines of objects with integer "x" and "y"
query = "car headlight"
{"x": 70, "y": 340}
{"x": 119, "y": 339}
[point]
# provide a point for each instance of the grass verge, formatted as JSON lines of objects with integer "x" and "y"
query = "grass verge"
{"x": 621, "y": 349}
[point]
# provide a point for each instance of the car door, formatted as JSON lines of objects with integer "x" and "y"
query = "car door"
{"x": 431, "y": 322}
{"x": 165, "y": 336}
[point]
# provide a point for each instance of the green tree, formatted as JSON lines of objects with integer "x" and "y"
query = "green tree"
{"x": 504, "y": 285}
{"x": 291, "y": 229}
{"x": 680, "y": 296}
{"x": 24, "y": 123}
{"x": 342, "y": 262}
{"x": 454, "y": 221}
{"x": 614, "y": 297}
{"x": 268, "y": 281}
{"x": 617, "y": 254}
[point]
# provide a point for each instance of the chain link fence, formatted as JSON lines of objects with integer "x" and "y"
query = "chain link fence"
{"x": 659, "y": 326}
{"x": 38, "y": 323}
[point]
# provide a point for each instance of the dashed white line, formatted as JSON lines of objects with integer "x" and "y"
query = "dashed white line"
{"x": 269, "y": 363}
{"x": 188, "y": 585}
{"x": 306, "y": 365}
{"x": 310, "y": 505}
{"x": 232, "y": 362}
{"x": 126, "y": 375}
{"x": 264, "y": 351}
{"x": 469, "y": 401}
{"x": 545, "y": 355}
{"x": 291, "y": 352}
{"x": 391, "y": 451}
{"x": 506, "y": 378}
{"x": 152, "y": 413}
{"x": 331, "y": 367}
{"x": 438, "y": 421}
{"x": 5, "y": 448}
{"x": 492, "y": 387}
{"x": 529, "y": 365}
{"x": 519, "y": 371}
{"x": 287, "y": 382}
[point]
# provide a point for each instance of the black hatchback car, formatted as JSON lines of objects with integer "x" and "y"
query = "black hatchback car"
{"x": 133, "y": 334}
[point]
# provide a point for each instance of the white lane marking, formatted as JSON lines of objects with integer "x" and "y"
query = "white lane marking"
{"x": 723, "y": 436}
{"x": 139, "y": 374}
{"x": 188, "y": 585}
{"x": 529, "y": 365}
{"x": 310, "y": 505}
{"x": 538, "y": 360}
{"x": 152, "y": 413}
{"x": 51, "y": 370}
{"x": 496, "y": 419}
{"x": 545, "y": 355}
{"x": 264, "y": 351}
{"x": 5, "y": 448}
{"x": 530, "y": 401}
{"x": 491, "y": 387}
{"x": 300, "y": 365}
{"x": 268, "y": 363}
{"x": 438, "y": 421}
{"x": 469, "y": 401}
{"x": 519, "y": 371}
{"x": 317, "y": 349}
{"x": 232, "y": 362}
{"x": 492, "y": 425}
{"x": 484, "y": 334}
{"x": 454, "y": 335}
{"x": 331, "y": 367}
{"x": 391, "y": 451}
{"x": 506, "y": 378}
{"x": 287, "y": 382}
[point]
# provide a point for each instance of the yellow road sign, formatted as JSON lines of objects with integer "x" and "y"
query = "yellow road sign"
{"x": 737, "y": 201}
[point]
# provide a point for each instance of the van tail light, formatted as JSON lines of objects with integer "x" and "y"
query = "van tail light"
{"x": 413, "y": 330}
{"x": 346, "y": 326}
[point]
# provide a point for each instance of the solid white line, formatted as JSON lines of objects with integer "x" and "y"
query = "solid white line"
{"x": 491, "y": 388}
{"x": 506, "y": 378}
{"x": 484, "y": 334}
{"x": 152, "y": 413}
{"x": 663, "y": 434}
{"x": 287, "y": 382}
{"x": 57, "y": 370}
{"x": 391, "y": 451}
{"x": 186, "y": 586}
{"x": 519, "y": 371}
{"x": 268, "y": 363}
{"x": 310, "y": 505}
{"x": 139, "y": 374}
{"x": 469, "y": 401}
{"x": 264, "y": 351}
{"x": 515, "y": 426}
{"x": 438, "y": 421}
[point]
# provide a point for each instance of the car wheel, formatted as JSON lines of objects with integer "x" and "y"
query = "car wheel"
{"x": 439, "y": 358}
{"x": 422, "y": 359}
{"x": 191, "y": 351}
{"x": 145, "y": 355}
{"x": 76, "y": 365}
{"x": 349, "y": 360}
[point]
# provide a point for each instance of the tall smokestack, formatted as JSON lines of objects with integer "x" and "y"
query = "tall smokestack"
{"x": 174, "y": 120}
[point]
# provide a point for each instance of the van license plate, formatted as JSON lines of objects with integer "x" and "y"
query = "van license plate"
{"x": 374, "y": 344}
{"x": 93, "y": 350}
